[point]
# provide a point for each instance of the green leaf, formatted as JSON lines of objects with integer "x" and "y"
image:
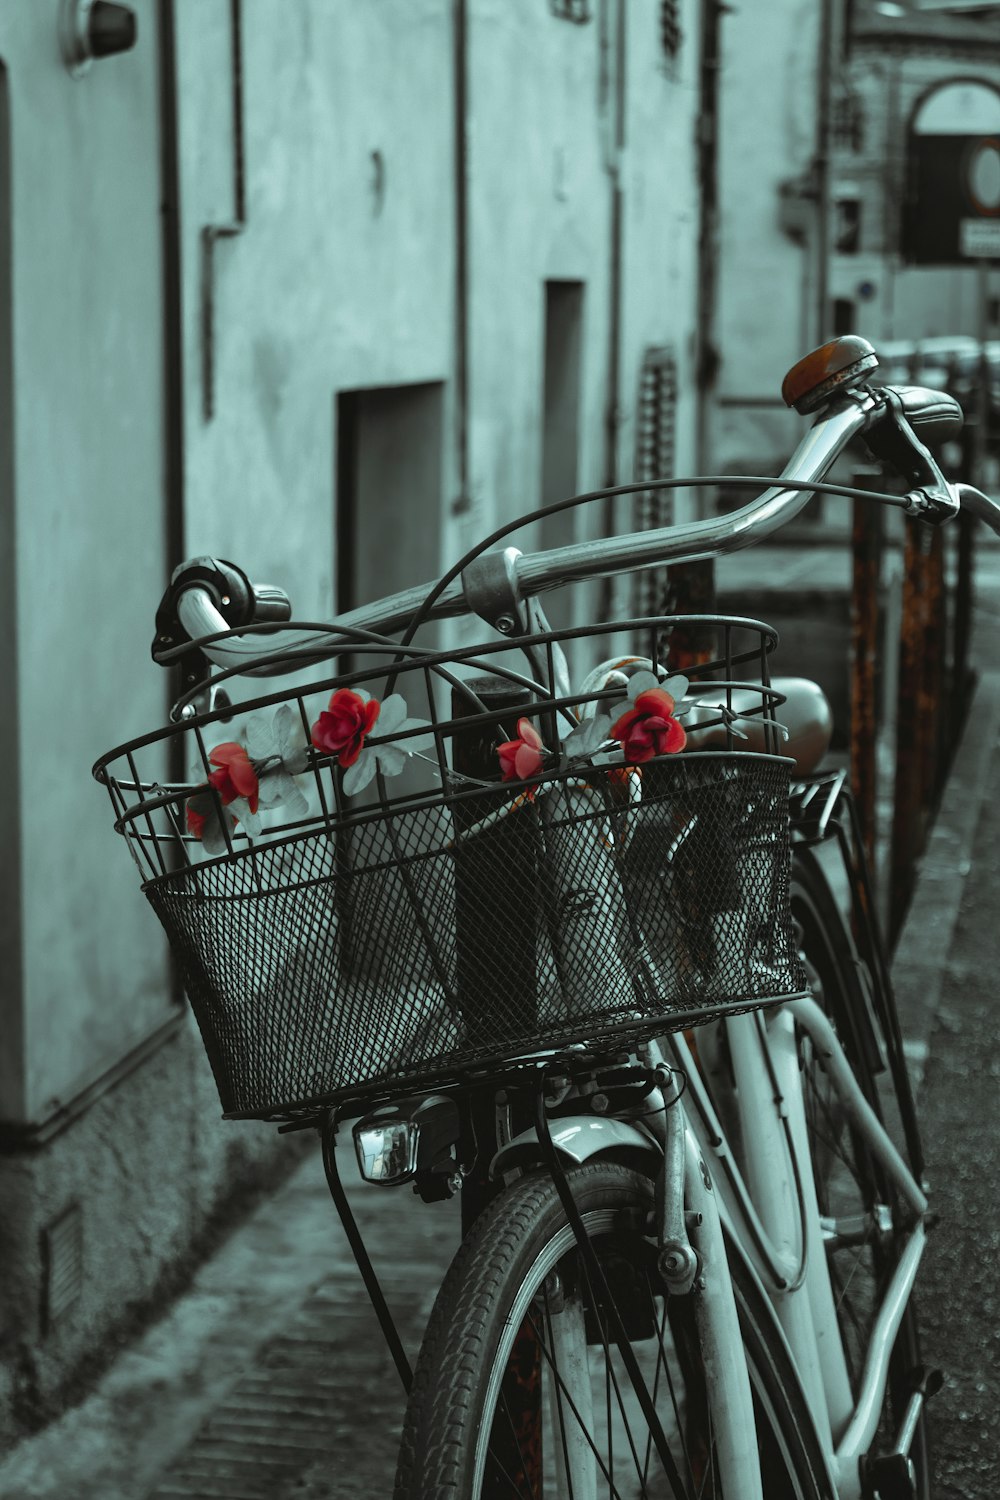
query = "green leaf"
{"x": 357, "y": 777}
{"x": 212, "y": 838}
{"x": 419, "y": 741}
{"x": 589, "y": 736}
{"x": 391, "y": 715}
{"x": 248, "y": 821}
{"x": 260, "y": 737}
{"x": 641, "y": 682}
{"x": 391, "y": 759}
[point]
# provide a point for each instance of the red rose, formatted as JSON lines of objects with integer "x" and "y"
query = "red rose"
{"x": 341, "y": 728}
{"x": 202, "y": 813}
{"x": 649, "y": 728}
{"x": 196, "y": 821}
{"x": 522, "y": 757}
{"x": 235, "y": 775}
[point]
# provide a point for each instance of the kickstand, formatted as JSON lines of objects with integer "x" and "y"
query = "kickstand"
{"x": 328, "y": 1132}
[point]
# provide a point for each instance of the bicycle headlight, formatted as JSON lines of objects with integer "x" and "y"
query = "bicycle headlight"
{"x": 399, "y": 1140}
{"x": 387, "y": 1152}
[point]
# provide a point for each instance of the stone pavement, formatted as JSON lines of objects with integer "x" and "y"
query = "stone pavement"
{"x": 269, "y": 1378}
{"x": 946, "y": 978}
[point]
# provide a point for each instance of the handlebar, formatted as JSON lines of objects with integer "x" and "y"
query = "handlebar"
{"x": 888, "y": 417}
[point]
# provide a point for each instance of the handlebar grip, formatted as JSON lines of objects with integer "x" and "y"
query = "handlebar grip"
{"x": 270, "y": 603}
{"x": 234, "y": 596}
{"x": 910, "y": 418}
{"x": 935, "y": 416}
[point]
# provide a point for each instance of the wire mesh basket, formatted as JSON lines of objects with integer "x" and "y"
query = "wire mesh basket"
{"x": 409, "y": 871}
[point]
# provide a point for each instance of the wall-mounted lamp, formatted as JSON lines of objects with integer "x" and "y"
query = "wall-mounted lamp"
{"x": 94, "y": 28}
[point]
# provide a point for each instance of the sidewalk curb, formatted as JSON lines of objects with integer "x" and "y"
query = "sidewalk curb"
{"x": 920, "y": 960}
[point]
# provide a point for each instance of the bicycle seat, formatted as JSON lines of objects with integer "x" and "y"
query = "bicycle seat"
{"x": 806, "y": 714}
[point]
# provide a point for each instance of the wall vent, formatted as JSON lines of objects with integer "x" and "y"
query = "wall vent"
{"x": 655, "y": 458}
{"x": 62, "y": 1264}
{"x": 670, "y": 26}
{"x": 571, "y": 10}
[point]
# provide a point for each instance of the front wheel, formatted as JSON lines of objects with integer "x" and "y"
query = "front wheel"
{"x": 521, "y": 1392}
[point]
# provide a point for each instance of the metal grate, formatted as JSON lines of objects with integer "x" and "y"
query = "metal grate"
{"x": 655, "y": 458}
{"x": 62, "y": 1264}
{"x": 308, "y": 978}
{"x": 571, "y": 10}
{"x": 670, "y": 26}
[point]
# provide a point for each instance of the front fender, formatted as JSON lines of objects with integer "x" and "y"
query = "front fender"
{"x": 579, "y": 1138}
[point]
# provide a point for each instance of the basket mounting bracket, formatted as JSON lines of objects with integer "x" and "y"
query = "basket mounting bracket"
{"x": 492, "y": 591}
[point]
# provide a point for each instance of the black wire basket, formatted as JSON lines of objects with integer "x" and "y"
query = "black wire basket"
{"x": 507, "y": 868}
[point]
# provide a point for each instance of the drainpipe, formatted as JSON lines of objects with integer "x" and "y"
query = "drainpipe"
{"x": 706, "y": 353}
{"x": 173, "y": 364}
{"x": 692, "y": 585}
{"x": 613, "y": 163}
{"x": 612, "y": 414}
{"x": 462, "y": 500}
{"x": 821, "y": 165}
{"x": 174, "y": 539}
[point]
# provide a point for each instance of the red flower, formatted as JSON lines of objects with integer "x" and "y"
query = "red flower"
{"x": 341, "y": 728}
{"x": 522, "y": 757}
{"x": 649, "y": 728}
{"x": 235, "y": 775}
{"x": 196, "y": 821}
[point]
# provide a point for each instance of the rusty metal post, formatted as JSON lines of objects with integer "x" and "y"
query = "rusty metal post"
{"x": 934, "y": 715}
{"x": 961, "y": 675}
{"x": 866, "y": 541}
{"x": 691, "y": 592}
{"x": 907, "y": 819}
{"x": 973, "y": 447}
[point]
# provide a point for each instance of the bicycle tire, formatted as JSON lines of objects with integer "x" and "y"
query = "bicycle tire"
{"x": 503, "y": 1270}
{"x": 842, "y": 1166}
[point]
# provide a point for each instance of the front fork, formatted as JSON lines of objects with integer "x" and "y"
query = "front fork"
{"x": 694, "y": 1262}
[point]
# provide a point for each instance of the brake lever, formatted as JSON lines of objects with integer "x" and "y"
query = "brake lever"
{"x": 932, "y": 506}
{"x": 892, "y": 438}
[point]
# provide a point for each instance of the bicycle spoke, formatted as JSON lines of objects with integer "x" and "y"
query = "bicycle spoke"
{"x": 559, "y": 1407}
{"x": 516, "y": 1488}
{"x": 614, "y": 1493}
{"x": 609, "y": 1366}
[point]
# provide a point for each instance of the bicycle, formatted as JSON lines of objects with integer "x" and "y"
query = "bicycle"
{"x": 580, "y": 948}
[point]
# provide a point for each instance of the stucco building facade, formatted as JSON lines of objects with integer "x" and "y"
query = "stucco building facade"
{"x": 328, "y": 288}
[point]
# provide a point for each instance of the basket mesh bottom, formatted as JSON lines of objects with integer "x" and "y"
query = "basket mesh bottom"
{"x": 375, "y": 952}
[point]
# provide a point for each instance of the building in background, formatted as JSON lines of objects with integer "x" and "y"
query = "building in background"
{"x": 777, "y": 81}
{"x": 823, "y": 212}
{"x": 329, "y": 289}
{"x": 912, "y": 72}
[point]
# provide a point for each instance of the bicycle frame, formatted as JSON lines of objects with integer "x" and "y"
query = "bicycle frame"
{"x": 758, "y": 1208}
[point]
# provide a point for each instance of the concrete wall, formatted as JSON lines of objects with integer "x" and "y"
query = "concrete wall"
{"x": 320, "y": 242}
{"x": 767, "y": 316}
{"x": 87, "y": 476}
{"x": 113, "y": 1157}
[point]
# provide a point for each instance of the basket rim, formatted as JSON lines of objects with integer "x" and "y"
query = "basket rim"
{"x": 468, "y": 1073}
{"x": 251, "y": 848}
{"x": 427, "y": 659}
